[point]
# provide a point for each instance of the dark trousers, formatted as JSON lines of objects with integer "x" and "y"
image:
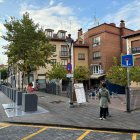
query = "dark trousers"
{"x": 103, "y": 112}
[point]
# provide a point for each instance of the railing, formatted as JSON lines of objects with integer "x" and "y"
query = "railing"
{"x": 64, "y": 54}
{"x": 98, "y": 72}
{"x": 136, "y": 50}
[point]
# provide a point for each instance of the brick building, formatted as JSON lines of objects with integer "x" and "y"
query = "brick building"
{"x": 133, "y": 47}
{"x": 105, "y": 42}
{"x": 81, "y": 52}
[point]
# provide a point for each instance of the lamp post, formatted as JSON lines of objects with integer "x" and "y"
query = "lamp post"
{"x": 69, "y": 42}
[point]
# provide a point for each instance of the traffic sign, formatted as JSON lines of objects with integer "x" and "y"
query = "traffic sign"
{"x": 127, "y": 60}
{"x": 69, "y": 67}
{"x": 69, "y": 75}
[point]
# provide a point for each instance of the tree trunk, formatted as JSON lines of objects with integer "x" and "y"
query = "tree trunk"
{"x": 28, "y": 76}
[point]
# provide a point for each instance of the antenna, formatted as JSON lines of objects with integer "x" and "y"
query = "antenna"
{"x": 95, "y": 20}
{"x": 61, "y": 24}
{"x": 70, "y": 26}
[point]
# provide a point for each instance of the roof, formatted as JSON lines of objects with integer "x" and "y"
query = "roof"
{"x": 49, "y": 30}
{"x": 80, "y": 45}
{"x": 132, "y": 34}
{"x": 109, "y": 24}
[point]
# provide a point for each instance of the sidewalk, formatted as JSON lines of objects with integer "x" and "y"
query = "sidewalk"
{"x": 85, "y": 115}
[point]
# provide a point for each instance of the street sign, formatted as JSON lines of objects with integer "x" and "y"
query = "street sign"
{"x": 127, "y": 60}
{"x": 69, "y": 67}
{"x": 69, "y": 75}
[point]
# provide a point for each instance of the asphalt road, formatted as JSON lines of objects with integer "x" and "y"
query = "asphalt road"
{"x": 10, "y": 131}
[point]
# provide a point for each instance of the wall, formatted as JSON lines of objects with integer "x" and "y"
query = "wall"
{"x": 81, "y": 50}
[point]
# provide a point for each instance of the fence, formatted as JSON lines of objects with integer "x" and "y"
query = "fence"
{"x": 135, "y": 99}
{"x": 27, "y": 101}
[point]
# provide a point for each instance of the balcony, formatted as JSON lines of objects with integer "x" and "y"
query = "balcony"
{"x": 99, "y": 57}
{"x": 64, "y": 54}
{"x": 136, "y": 50}
{"x": 97, "y": 74}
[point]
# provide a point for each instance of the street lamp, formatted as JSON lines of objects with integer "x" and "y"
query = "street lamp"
{"x": 69, "y": 42}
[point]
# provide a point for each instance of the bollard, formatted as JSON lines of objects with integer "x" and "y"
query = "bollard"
{"x": 18, "y": 98}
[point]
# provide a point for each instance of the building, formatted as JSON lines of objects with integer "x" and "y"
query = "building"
{"x": 61, "y": 54}
{"x": 81, "y": 52}
{"x": 105, "y": 42}
{"x": 133, "y": 47}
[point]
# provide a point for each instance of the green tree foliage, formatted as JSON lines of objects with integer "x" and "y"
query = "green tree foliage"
{"x": 29, "y": 47}
{"x": 81, "y": 73}
{"x": 57, "y": 72}
{"x": 118, "y": 74}
{"x": 3, "y": 72}
{"x": 135, "y": 74}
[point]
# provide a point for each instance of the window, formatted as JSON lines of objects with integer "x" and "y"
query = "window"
{"x": 49, "y": 33}
{"x": 61, "y": 35}
{"x": 96, "y": 69}
{"x": 96, "y": 55}
{"x": 53, "y": 61}
{"x": 81, "y": 56}
{"x": 135, "y": 43}
{"x": 136, "y": 50}
{"x": 64, "y": 62}
{"x": 64, "y": 51}
{"x": 54, "y": 48}
{"x": 96, "y": 41}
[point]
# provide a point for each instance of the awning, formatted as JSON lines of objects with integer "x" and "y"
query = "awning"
{"x": 96, "y": 76}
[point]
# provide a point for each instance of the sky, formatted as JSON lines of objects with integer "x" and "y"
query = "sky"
{"x": 70, "y": 15}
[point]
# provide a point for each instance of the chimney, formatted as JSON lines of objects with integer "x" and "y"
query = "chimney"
{"x": 113, "y": 24}
{"x": 122, "y": 24}
{"x": 80, "y": 32}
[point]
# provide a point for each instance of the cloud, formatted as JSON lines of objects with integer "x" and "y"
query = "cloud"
{"x": 130, "y": 13}
{"x": 1, "y": 1}
{"x": 3, "y": 58}
{"x": 51, "y": 2}
{"x": 56, "y": 17}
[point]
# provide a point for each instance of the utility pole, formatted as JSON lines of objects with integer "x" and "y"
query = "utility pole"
{"x": 70, "y": 66}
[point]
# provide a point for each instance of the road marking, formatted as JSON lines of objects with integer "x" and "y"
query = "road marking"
{"x": 33, "y": 134}
{"x": 134, "y": 136}
{"x": 112, "y": 132}
{"x": 84, "y": 134}
{"x": 5, "y": 126}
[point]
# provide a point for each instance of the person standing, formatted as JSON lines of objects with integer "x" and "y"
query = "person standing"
{"x": 104, "y": 98}
{"x": 29, "y": 88}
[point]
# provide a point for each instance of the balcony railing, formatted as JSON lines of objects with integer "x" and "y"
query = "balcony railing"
{"x": 136, "y": 50}
{"x": 99, "y": 57}
{"x": 98, "y": 72}
{"x": 64, "y": 54}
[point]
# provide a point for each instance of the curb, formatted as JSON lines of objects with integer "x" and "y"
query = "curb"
{"x": 78, "y": 127}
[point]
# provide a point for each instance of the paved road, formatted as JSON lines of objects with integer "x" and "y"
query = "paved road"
{"x": 9, "y": 131}
{"x": 85, "y": 115}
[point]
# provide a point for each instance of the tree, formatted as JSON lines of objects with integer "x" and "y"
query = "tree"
{"x": 3, "y": 72}
{"x": 81, "y": 73}
{"x": 118, "y": 74}
{"x": 57, "y": 72}
{"x": 29, "y": 48}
